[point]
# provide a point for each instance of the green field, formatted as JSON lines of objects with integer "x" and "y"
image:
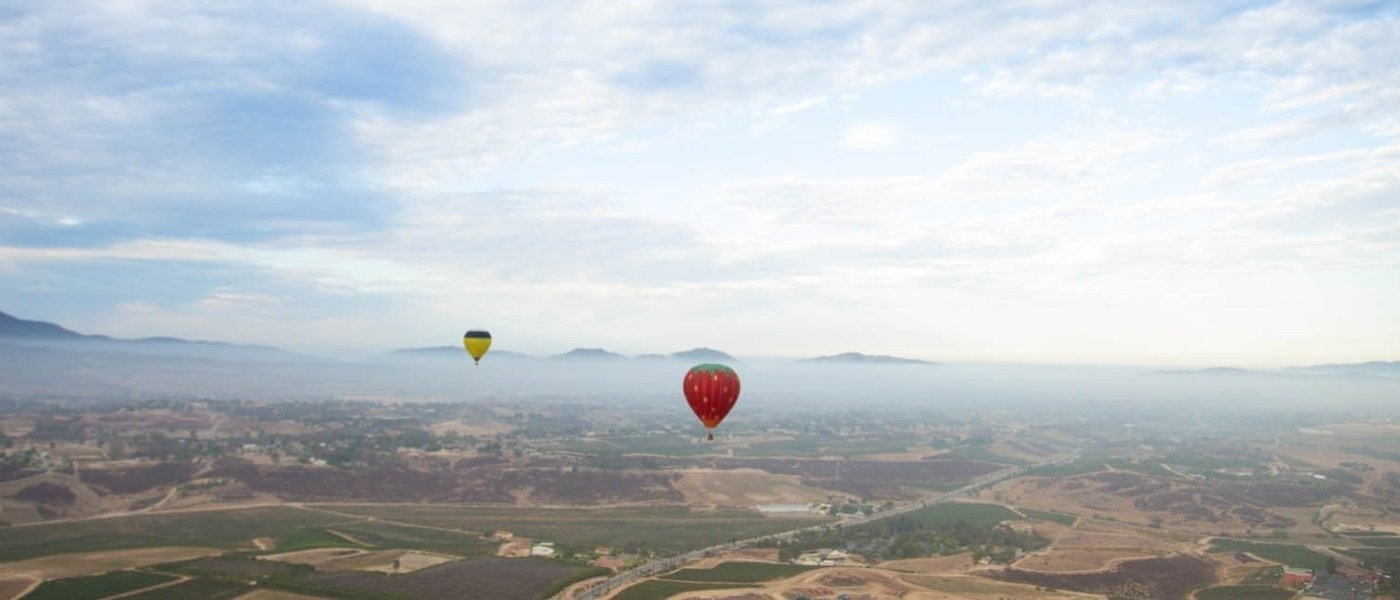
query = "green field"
{"x": 96, "y": 586}
{"x": 1265, "y": 576}
{"x": 1045, "y": 515}
{"x": 390, "y": 535}
{"x": 306, "y": 538}
{"x": 738, "y": 572}
{"x": 1380, "y": 541}
{"x": 974, "y": 514}
{"x": 1288, "y": 554}
{"x": 657, "y": 589}
{"x": 229, "y": 529}
{"x": 664, "y": 529}
{"x": 982, "y": 453}
{"x": 237, "y": 568}
{"x": 1245, "y": 592}
{"x": 1373, "y": 554}
{"x": 665, "y": 445}
{"x": 1069, "y": 470}
{"x": 204, "y": 589}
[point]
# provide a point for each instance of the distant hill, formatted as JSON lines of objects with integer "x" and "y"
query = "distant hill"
{"x": 703, "y": 354}
{"x": 651, "y": 356}
{"x": 19, "y": 328}
{"x": 1376, "y": 368}
{"x": 1216, "y": 371}
{"x": 452, "y": 352}
{"x": 588, "y": 354}
{"x": 868, "y": 359}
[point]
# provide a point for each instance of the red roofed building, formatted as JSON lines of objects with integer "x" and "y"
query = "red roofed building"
{"x": 1297, "y": 578}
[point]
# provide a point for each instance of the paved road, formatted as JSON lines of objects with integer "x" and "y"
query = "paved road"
{"x": 666, "y": 564}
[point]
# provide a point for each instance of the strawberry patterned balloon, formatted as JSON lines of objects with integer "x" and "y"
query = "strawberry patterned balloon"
{"x": 711, "y": 391}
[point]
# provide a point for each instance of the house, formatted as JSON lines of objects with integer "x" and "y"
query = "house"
{"x": 502, "y": 535}
{"x": 1296, "y": 578}
{"x": 603, "y": 551}
{"x": 543, "y": 550}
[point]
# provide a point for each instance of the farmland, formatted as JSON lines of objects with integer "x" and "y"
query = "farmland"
{"x": 1045, "y": 515}
{"x": 486, "y": 578}
{"x": 1244, "y": 592}
{"x": 975, "y": 514}
{"x": 228, "y": 529}
{"x": 1287, "y": 554}
{"x": 657, "y": 589}
{"x": 96, "y": 586}
{"x": 1168, "y": 578}
{"x": 204, "y": 589}
{"x": 663, "y": 529}
{"x": 738, "y": 572}
{"x": 306, "y": 538}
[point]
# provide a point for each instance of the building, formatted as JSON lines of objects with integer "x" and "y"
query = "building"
{"x": 603, "y": 551}
{"x": 502, "y": 535}
{"x": 543, "y": 550}
{"x": 1296, "y": 578}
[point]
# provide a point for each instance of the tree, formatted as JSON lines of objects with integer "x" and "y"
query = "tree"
{"x": 1332, "y": 565}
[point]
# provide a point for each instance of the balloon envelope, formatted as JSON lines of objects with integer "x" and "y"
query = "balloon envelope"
{"x": 711, "y": 390}
{"x": 477, "y": 343}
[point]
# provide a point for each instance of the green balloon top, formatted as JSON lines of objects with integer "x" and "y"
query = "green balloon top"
{"x": 711, "y": 368}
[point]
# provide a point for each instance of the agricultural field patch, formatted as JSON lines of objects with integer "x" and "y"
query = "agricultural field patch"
{"x": 236, "y": 568}
{"x": 1046, "y": 515}
{"x": 314, "y": 557}
{"x": 663, "y": 529}
{"x": 393, "y": 535}
{"x": 90, "y": 563}
{"x": 1206, "y": 506}
{"x": 10, "y": 589}
{"x": 204, "y": 589}
{"x": 91, "y": 587}
{"x": 739, "y": 572}
{"x": 933, "y": 564}
{"x": 227, "y": 529}
{"x": 743, "y": 488}
{"x": 968, "y": 586}
{"x": 1286, "y": 554}
{"x": 1245, "y": 592}
{"x": 1168, "y": 578}
{"x": 973, "y": 513}
{"x": 659, "y": 589}
{"x": 305, "y": 538}
{"x": 485, "y": 578}
{"x": 266, "y": 594}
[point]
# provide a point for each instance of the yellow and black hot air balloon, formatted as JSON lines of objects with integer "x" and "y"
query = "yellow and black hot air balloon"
{"x": 477, "y": 343}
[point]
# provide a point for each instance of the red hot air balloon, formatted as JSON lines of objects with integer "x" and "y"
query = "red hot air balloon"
{"x": 711, "y": 391}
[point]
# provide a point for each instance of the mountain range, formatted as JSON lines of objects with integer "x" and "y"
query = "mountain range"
{"x": 20, "y": 333}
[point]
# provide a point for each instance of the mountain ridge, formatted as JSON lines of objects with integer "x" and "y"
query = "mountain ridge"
{"x": 868, "y": 359}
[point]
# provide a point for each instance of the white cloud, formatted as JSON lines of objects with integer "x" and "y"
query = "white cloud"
{"x": 870, "y": 136}
{"x": 1106, "y": 169}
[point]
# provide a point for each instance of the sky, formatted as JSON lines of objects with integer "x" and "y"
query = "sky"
{"x": 1184, "y": 183}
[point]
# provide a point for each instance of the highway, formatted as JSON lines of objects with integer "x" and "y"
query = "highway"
{"x": 663, "y": 565}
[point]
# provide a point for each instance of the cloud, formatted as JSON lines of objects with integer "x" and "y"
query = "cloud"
{"x": 635, "y": 172}
{"x": 870, "y": 136}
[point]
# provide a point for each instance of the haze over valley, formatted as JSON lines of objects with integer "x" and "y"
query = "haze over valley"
{"x": 784, "y": 300}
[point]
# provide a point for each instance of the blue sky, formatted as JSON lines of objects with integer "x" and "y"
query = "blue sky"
{"x": 1085, "y": 182}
